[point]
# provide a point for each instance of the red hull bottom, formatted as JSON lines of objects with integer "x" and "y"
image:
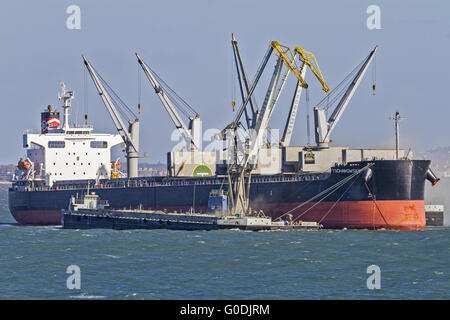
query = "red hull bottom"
{"x": 387, "y": 214}
{"x": 38, "y": 217}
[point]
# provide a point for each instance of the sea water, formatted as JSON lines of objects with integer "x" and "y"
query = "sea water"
{"x": 223, "y": 264}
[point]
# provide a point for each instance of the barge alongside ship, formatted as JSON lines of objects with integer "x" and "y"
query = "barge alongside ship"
{"x": 90, "y": 212}
{"x": 392, "y": 198}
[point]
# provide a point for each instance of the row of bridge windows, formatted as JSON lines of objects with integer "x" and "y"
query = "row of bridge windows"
{"x": 93, "y": 144}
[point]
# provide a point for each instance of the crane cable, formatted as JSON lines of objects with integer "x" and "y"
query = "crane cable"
{"x": 308, "y": 125}
{"x": 121, "y": 106}
{"x": 341, "y": 88}
{"x": 85, "y": 93}
{"x": 176, "y": 99}
{"x": 233, "y": 81}
{"x": 139, "y": 88}
{"x": 374, "y": 74}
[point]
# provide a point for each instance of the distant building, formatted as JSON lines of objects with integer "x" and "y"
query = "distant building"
{"x": 7, "y": 172}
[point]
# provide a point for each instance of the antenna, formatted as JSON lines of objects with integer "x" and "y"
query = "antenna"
{"x": 66, "y": 97}
{"x": 397, "y": 118}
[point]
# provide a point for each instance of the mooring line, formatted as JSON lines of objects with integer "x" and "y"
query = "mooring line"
{"x": 334, "y": 204}
{"x": 331, "y": 189}
{"x": 376, "y": 205}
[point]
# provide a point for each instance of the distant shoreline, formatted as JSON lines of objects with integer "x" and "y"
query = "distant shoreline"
{"x": 5, "y": 182}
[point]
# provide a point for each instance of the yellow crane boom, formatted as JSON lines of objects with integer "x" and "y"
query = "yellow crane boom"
{"x": 288, "y": 58}
{"x": 307, "y": 56}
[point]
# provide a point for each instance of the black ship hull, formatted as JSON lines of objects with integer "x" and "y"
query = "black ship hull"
{"x": 347, "y": 197}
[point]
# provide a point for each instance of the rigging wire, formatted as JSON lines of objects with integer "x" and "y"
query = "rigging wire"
{"x": 308, "y": 128}
{"x": 85, "y": 95}
{"x": 119, "y": 109}
{"x": 341, "y": 88}
{"x": 336, "y": 202}
{"x": 329, "y": 190}
{"x": 233, "y": 80}
{"x": 374, "y": 74}
{"x": 173, "y": 99}
{"x": 333, "y": 189}
{"x": 177, "y": 100}
{"x": 139, "y": 88}
{"x": 118, "y": 102}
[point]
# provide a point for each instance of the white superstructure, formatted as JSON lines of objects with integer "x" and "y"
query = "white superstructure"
{"x": 68, "y": 153}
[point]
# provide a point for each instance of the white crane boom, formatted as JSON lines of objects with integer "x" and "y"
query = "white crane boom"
{"x": 272, "y": 95}
{"x": 266, "y": 110}
{"x": 130, "y": 136}
{"x": 235, "y": 123}
{"x": 168, "y": 105}
{"x": 278, "y": 92}
{"x": 324, "y": 127}
{"x": 240, "y": 196}
{"x": 243, "y": 81}
{"x": 289, "y": 127}
{"x": 240, "y": 188}
{"x": 309, "y": 60}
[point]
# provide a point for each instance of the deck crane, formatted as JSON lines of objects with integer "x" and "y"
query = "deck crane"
{"x": 235, "y": 123}
{"x": 286, "y": 56}
{"x": 243, "y": 81}
{"x": 130, "y": 134}
{"x": 241, "y": 171}
{"x": 323, "y": 127}
{"x": 307, "y": 58}
{"x": 191, "y": 135}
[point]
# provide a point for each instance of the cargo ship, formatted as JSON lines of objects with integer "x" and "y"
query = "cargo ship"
{"x": 394, "y": 198}
{"x": 337, "y": 187}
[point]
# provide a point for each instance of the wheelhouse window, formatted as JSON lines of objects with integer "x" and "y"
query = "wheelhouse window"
{"x": 99, "y": 144}
{"x": 56, "y": 144}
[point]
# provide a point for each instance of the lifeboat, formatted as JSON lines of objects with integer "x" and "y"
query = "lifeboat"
{"x": 24, "y": 164}
{"x": 115, "y": 165}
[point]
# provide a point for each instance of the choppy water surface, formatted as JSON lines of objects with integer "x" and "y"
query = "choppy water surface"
{"x": 163, "y": 264}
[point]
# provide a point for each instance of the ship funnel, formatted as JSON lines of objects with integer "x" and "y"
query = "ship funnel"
{"x": 430, "y": 176}
{"x": 368, "y": 175}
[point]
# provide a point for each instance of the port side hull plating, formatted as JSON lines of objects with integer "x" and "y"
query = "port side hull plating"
{"x": 396, "y": 188}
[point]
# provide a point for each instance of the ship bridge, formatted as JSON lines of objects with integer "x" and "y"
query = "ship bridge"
{"x": 75, "y": 154}
{"x": 67, "y": 152}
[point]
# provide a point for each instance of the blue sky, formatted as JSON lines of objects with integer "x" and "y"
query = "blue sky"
{"x": 188, "y": 44}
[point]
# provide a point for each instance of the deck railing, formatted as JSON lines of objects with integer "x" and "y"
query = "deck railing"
{"x": 164, "y": 182}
